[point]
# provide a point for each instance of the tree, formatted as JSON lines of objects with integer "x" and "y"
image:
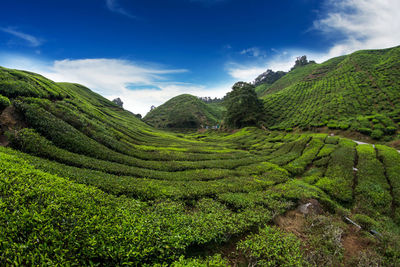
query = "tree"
{"x": 302, "y": 61}
{"x": 268, "y": 77}
{"x": 243, "y": 108}
{"x": 118, "y": 101}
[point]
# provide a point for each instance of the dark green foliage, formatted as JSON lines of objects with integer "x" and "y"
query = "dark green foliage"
{"x": 243, "y": 108}
{"x": 301, "y": 61}
{"x": 268, "y": 77}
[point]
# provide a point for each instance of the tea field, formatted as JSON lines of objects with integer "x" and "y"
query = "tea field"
{"x": 358, "y": 92}
{"x": 84, "y": 182}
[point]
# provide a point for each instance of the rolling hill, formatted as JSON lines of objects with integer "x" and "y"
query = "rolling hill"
{"x": 84, "y": 182}
{"x": 185, "y": 111}
{"x": 358, "y": 92}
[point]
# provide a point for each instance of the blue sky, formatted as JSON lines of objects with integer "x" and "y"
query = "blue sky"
{"x": 151, "y": 50}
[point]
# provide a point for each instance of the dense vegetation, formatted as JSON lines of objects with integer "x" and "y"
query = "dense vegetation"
{"x": 268, "y": 77}
{"x": 84, "y": 182}
{"x": 359, "y": 92}
{"x": 185, "y": 111}
{"x": 243, "y": 108}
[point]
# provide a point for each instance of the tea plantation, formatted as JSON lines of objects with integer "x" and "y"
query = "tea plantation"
{"x": 358, "y": 92}
{"x": 84, "y": 182}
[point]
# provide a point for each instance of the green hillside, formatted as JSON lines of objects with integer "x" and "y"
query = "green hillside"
{"x": 185, "y": 111}
{"x": 359, "y": 92}
{"x": 84, "y": 182}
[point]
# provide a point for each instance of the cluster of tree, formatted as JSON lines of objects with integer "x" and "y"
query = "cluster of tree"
{"x": 302, "y": 61}
{"x": 268, "y": 77}
{"x": 208, "y": 100}
{"x": 243, "y": 107}
{"x": 119, "y": 102}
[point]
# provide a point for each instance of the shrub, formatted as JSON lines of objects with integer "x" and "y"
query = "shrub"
{"x": 212, "y": 261}
{"x": 4, "y": 102}
{"x": 379, "y": 126}
{"x": 390, "y": 130}
{"x": 333, "y": 125}
{"x": 366, "y": 131}
{"x": 271, "y": 247}
{"x": 365, "y": 221}
{"x": 377, "y": 134}
{"x": 344, "y": 126}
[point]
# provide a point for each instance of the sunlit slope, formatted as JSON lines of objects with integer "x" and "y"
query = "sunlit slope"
{"x": 184, "y": 111}
{"x": 86, "y": 182}
{"x": 360, "y": 92}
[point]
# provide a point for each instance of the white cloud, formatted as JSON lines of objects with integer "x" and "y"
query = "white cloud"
{"x": 112, "y": 78}
{"x": 115, "y": 7}
{"x": 361, "y": 24}
{"x": 364, "y": 24}
{"x": 29, "y": 39}
{"x": 244, "y": 73}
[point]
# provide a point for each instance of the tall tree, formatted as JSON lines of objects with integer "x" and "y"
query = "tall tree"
{"x": 243, "y": 108}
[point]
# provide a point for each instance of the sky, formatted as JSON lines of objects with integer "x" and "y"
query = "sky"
{"x": 148, "y": 51}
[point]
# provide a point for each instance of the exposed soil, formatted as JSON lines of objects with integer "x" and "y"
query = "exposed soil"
{"x": 294, "y": 221}
{"x": 353, "y": 243}
{"x": 10, "y": 120}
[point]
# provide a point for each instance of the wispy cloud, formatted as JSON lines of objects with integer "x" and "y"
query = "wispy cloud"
{"x": 29, "y": 39}
{"x": 115, "y": 7}
{"x": 139, "y": 85}
{"x": 254, "y": 52}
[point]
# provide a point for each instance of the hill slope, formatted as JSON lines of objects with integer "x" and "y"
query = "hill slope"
{"x": 358, "y": 92}
{"x": 184, "y": 111}
{"x": 86, "y": 183}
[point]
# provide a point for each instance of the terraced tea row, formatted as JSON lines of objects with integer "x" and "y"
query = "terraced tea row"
{"x": 356, "y": 92}
{"x": 86, "y": 182}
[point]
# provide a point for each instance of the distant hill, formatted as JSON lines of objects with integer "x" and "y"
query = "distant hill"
{"x": 185, "y": 111}
{"x": 359, "y": 92}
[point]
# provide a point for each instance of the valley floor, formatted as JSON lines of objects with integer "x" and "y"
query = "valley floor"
{"x": 211, "y": 198}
